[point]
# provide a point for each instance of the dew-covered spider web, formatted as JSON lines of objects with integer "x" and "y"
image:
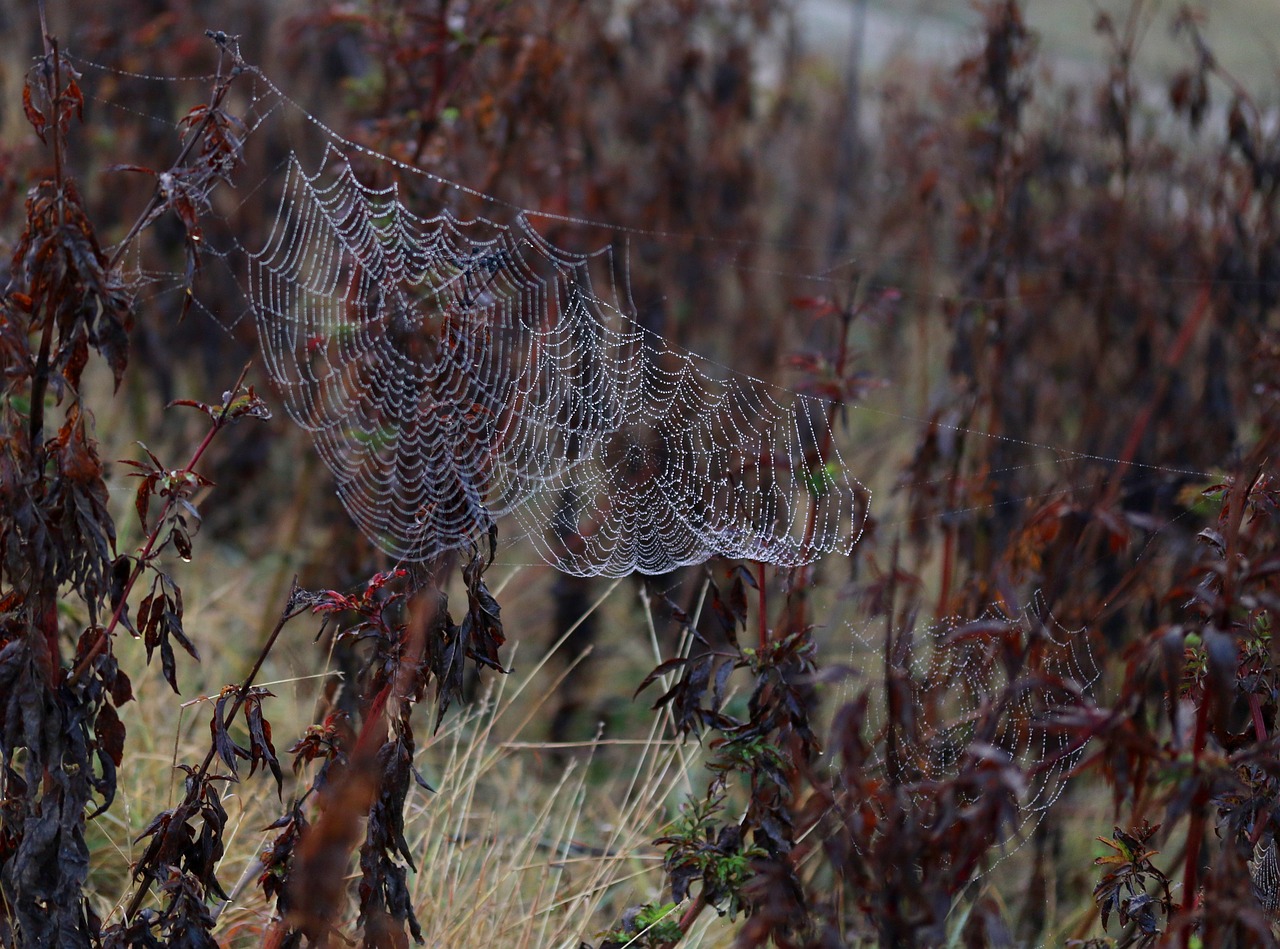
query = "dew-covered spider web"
{"x": 993, "y": 689}
{"x": 454, "y": 371}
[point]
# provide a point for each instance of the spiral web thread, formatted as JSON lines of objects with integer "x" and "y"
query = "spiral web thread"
{"x": 956, "y": 670}
{"x": 453, "y": 371}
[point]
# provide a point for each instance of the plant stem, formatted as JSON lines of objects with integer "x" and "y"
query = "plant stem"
{"x": 40, "y": 378}
{"x": 222, "y": 84}
{"x": 800, "y": 576}
{"x": 1237, "y": 499}
{"x": 292, "y": 608}
{"x": 145, "y": 554}
{"x": 764, "y": 612}
{"x": 688, "y": 919}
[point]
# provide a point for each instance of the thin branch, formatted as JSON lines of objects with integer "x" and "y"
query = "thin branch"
{"x": 145, "y": 555}
{"x": 158, "y": 198}
{"x": 295, "y": 605}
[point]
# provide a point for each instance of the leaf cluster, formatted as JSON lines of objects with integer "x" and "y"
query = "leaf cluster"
{"x": 409, "y": 643}
{"x": 61, "y": 740}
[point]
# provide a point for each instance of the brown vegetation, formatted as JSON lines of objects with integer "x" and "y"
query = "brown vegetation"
{"x": 1049, "y": 319}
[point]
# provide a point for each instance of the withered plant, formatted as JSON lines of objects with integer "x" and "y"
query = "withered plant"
{"x": 1094, "y": 451}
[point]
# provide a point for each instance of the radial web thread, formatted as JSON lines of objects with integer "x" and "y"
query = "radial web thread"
{"x": 453, "y": 372}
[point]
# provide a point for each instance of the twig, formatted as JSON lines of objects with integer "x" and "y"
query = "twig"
{"x": 687, "y": 920}
{"x": 293, "y": 607}
{"x": 764, "y": 607}
{"x": 145, "y": 555}
{"x": 40, "y": 377}
{"x": 222, "y": 84}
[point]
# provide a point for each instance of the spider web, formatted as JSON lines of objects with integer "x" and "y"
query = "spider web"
{"x": 993, "y": 686}
{"x": 452, "y": 372}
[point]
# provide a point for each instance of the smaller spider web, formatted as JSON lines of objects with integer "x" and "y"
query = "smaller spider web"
{"x": 454, "y": 371}
{"x": 998, "y": 686}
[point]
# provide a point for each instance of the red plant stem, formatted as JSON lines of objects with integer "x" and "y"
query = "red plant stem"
{"x": 1259, "y": 726}
{"x": 1177, "y": 350}
{"x": 40, "y": 378}
{"x": 764, "y": 612}
{"x": 948, "y": 548}
{"x": 1237, "y": 500}
{"x": 893, "y": 758}
{"x": 215, "y": 100}
{"x": 375, "y": 715}
{"x": 800, "y": 576}
{"x": 55, "y": 102}
{"x": 689, "y": 917}
{"x": 193, "y": 784}
{"x": 145, "y": 555}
